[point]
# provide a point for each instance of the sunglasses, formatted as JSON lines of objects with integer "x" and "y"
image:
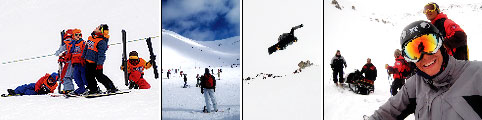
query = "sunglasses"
{"x": 414, "y": 50}
{"x": 78, "y": 34}
{"x": 429, "y": 8}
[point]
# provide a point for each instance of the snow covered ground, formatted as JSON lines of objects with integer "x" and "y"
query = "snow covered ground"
{"x": 294, "y": 96}
{"x": 33, "y": 30}
{"x": 191, "y": 57}
{"x": 358, "y": 35}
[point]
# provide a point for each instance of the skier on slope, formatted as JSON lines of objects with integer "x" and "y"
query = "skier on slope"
{"x": 400, "y": 72}
{"x": 76, "y": 48}
{"x": 135, "y": 70}
{"x": 455, "y": 39}
{"x": 44, "y": 85}
{"x": 444, "y": 88}
{"x": 337, "y": 63}
{"x": 185, "y": 81}
{"x": 94, "y": 54}
{"x": 168, "y": 73}
{"x": 65, "y": 58}
{"x": 208, "y": 87}
{"x": 198, "y": 79}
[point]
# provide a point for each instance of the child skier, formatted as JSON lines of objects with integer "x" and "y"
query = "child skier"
{"x": 64, "y": 58}
{"x": 44, "y": 85}
{"x": 94, "y": 54}
{"x": 76, "y": 48}
{"x": 135, "y": 69}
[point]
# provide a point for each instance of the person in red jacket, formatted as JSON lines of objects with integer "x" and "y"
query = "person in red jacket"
{"x": 455, "y": 39}
{"x": 44, "y": 85}
{"x": 397, "y": 70}
{"x": 135, "y": 69}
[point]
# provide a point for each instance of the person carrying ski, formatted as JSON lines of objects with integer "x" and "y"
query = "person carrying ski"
{"x": 444, "y": 88}
{"x": 337, "y": 64}
{"x": 455, "y": 39}
{"x": 208, "y": 87}
{"x": 65, "y": 59}
{"x": 399, "y": 71}
{"x": 370, "y": 73}
{"x": 94, "y": 54}
{"x": 135, "y": 70}
{"x": 44, "y": 85}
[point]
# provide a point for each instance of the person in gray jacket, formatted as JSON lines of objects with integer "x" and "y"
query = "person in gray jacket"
{"x": 443, "y": 88}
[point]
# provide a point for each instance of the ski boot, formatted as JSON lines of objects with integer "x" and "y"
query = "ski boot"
{"x": 11, "y": 92}
{"x": 205, "y": 110}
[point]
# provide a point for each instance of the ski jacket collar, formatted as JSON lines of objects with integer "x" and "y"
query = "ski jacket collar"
{"x": 448, "y": 76}
{"x": 439, "y": 16}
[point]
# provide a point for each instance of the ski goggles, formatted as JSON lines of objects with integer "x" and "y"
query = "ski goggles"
{"x": 429, "y": 8}
{"x": 424, "y": 44}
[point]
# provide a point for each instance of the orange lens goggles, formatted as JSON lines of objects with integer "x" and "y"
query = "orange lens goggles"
{"x": 424, "y": 44}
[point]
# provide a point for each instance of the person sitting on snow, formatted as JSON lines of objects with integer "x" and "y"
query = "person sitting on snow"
{"x": 135, "y": 69}
{"x": 44, "y": 85}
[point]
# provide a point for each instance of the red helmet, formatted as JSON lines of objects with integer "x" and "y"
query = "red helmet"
{"x": 68, "y": 33}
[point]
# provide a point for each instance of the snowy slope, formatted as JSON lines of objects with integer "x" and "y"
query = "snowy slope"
{"x": 358, "y": 35}
{"x": 293, "y": 96}
{"x": 185, "y": 54}
{"x": 33, "y": 30}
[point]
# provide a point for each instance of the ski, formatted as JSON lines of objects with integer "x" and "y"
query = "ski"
{"x": 124, "y": 57}
{"x": 153, "y": 57}
{"x": 7, "y": 95}
{"x": 60, "y": 64}
{"x": 95, "y": 95}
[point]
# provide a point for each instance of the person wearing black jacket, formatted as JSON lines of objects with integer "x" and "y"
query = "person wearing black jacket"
{"x": 370, "y": 71}
{"x": 208, "y": 87}
{"x": 337, "y": 63}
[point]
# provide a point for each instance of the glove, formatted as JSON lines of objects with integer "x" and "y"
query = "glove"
{"x": 99, "y": 67}
{"x": 43, "y": 90}
{"x": 301, "y": 25}
{"x": 61, "y": 59}
{"x": 82, "y": 62}
{"x": 202, "y": 92}
{"x": 386, "y": 66}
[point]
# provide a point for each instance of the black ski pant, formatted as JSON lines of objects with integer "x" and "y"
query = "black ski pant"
{"x": 91, "y": 74}
{"x": 396, "y": 84}
{"x": 338, "y": 73}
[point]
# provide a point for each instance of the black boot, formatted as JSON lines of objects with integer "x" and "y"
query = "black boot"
{"x": 11, "y": 92}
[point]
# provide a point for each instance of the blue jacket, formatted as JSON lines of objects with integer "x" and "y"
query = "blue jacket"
{"x": 95, "y": 49}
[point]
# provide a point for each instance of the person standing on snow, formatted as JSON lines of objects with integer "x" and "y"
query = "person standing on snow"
{"x": 337, "y": 63}
{"x": 44, "y": 85}
{"x": 94, "y": 54}
{"x": 65, "y": 57}
{"x": 76, "y": 48}
{"x": 198, "y": 79}
{"x": 208, "y": 87}
{"x": 135, "y": 69}
{"x": 185, "y": 81}
{"x": 398, "y": 70}
{"x": 370, "y": 72}
{"x": 443, "y": 88}
{"x": 168, "y": 73}
{"x": 455, "y": 39}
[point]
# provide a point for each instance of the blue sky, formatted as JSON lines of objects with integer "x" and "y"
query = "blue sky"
{"x": 202, "y": 19}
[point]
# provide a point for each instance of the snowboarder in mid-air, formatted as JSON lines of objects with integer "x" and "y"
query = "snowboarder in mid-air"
{"x": 284, "y": 40}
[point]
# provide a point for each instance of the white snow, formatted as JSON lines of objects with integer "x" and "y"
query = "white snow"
{"x": 359, "y": 36}
{"x": 191, "y": 57}
{"x": 294, "y": 96}
{"x": 31, "y": 28}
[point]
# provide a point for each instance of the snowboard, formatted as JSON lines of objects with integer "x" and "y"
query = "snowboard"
{"x": 124, "y": 57}
{"x": 153, "y": 57}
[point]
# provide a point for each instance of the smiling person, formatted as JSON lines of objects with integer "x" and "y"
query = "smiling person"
{"x": 443, "y": 88}
{"x": 455, "y": 38}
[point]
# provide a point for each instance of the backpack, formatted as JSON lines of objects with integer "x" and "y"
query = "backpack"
{"x": 209, "y": 81}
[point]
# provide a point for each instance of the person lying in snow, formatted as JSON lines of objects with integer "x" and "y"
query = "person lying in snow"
{"x": 44, "y": 85}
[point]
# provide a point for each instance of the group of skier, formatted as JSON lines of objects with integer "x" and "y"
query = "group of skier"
{"x": 83, "y": 62}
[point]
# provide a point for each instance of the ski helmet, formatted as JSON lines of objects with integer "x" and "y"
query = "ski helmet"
{"x": 68, "y": 33}
{"x": 433, "y": 5}
{"x": 417, "y": 28}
